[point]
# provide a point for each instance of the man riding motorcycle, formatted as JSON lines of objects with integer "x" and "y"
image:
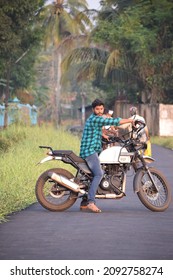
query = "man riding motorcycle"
{"x": 91, "y": 147}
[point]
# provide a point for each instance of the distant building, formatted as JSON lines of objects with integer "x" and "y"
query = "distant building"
{"x": 19, "y": 112}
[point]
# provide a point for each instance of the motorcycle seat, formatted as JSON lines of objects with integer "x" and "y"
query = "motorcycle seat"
{"x": 70, "y": 154}
{"x": 62, "y": 152}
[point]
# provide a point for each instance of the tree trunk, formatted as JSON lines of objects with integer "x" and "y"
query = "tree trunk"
{"x": 58, "y": 92}
{"x": 7, "y": 95}
{"x": 57, "y": 88}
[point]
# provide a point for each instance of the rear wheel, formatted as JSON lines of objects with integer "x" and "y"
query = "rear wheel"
{"x": 152, "y": 199}
{"x": 51, "y": 195}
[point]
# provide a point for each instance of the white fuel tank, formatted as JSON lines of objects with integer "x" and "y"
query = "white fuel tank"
{"x": 115, "y": 154}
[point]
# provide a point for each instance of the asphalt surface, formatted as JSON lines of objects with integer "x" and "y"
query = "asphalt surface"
{"x": 124, "y": 230}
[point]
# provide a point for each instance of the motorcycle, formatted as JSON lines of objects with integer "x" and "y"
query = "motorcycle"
{"x": 58, "y": 189}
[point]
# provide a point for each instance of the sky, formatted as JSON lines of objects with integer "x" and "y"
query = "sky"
{"x": 93, "y": 4}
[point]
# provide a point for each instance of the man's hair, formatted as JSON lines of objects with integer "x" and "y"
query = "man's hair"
{"x": 133, "y": 111}
{"x": 97, "y": 102}
{"x": 106, "y": 110}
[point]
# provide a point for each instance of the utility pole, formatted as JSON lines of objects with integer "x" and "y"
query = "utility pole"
{"x": 83, "y": 95}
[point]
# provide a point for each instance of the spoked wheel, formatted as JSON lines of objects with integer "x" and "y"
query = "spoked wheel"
{"x": 51, "y": 195}
{"x": 149, "y": 196}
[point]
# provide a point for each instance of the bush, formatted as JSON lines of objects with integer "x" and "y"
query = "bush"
{"x": 10, "y": 136}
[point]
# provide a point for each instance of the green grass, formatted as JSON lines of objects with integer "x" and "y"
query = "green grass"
{"x": 11, "y": 136}
{"x": 18, "y": 163}
{"x": 163, "y": 141}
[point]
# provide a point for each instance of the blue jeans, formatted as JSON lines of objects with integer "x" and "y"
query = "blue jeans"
{"x": 94, "y": 164}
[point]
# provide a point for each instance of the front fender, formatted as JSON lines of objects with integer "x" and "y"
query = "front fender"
{"x": 148, "y": 159}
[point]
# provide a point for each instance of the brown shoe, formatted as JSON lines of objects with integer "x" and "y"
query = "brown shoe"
{"x": 83, "y": 207}
{"x": 93, "y": 208}
{"x": 84, "y": 203}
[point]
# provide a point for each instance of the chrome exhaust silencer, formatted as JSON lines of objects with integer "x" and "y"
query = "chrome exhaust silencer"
{"x": 69, "y": 184}
{"x": 110, "y": 196}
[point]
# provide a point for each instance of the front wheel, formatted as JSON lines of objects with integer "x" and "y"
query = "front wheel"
{"x": 51, "y": 195}
{"x": 154, "y": 200}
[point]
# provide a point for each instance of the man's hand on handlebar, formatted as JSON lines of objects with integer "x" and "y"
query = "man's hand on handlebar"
{"x": 106, "y": 137}
{"x": 134, "y": 127}
{"x": 138, "y": 125}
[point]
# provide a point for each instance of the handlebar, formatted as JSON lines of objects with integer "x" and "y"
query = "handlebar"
{"x": 129, "y": 143}
{"x": 112, "y": 139}
{"x": 139, "y": 125}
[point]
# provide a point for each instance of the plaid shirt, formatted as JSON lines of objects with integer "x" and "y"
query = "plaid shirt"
{"x": 92, "y": 134}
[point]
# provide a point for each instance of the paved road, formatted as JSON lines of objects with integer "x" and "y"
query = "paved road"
{"x": 124, "y": 230}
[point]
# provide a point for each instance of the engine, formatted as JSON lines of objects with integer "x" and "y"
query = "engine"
{"x": 112, "y": 180}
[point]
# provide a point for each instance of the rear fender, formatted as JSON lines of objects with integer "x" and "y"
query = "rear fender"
{"x": 48, "y": 158}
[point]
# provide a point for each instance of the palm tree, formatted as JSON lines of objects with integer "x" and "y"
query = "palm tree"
{"x": 99, "y": 61}
{"x": 65, "y": 22}
{"x": 100, "y": 64}
{"x": 114, "y": 63}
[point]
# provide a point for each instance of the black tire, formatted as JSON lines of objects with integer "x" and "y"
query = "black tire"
{"x": 49, "y": 196}
{"x": 155, "y": 201}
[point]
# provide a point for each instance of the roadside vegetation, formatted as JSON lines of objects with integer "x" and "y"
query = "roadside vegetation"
{"x": 19, "y": 155}
{"x": 166, "y": 142}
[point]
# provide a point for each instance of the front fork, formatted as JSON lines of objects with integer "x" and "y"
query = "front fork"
{"x": 151, "y": 178}
{"x": 147, "y": 169}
